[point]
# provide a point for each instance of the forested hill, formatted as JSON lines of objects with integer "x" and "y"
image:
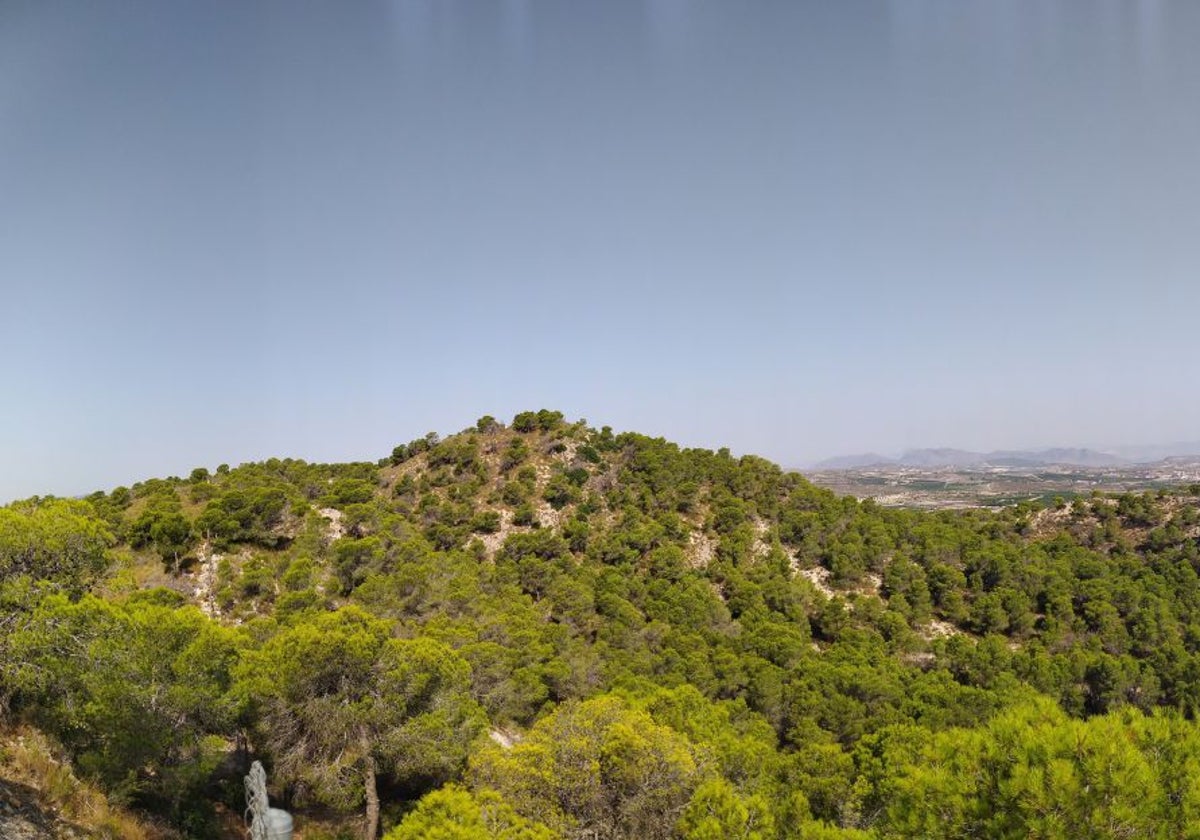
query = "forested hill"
{"x": 543, "y": 630}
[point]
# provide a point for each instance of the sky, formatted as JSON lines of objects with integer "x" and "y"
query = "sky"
{"x": 231, "y": 231}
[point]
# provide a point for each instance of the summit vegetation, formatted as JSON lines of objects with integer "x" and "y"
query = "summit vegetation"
{"x": 545, "y": 630}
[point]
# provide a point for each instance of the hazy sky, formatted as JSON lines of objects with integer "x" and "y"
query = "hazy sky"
{"x": 236, "y": 230}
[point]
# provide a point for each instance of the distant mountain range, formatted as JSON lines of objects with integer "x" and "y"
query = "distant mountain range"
{"x": 1074, "y": 456}
{"x": 1160, "y": 452}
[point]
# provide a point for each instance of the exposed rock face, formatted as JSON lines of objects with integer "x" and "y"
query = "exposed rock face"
{"x": 22, "y": 819}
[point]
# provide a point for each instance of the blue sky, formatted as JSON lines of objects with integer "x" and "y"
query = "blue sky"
{"x": 230, "y": 231}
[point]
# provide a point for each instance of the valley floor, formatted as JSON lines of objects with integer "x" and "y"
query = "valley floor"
{"x": 966, "y": 487}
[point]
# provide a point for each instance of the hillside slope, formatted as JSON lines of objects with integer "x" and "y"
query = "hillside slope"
{"x": 529, "y": 597}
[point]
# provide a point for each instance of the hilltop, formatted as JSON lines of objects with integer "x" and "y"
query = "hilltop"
{"x": 542, "y": 629}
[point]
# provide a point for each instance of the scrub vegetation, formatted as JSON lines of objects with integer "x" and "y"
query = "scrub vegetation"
{"x": 543, "y": 630}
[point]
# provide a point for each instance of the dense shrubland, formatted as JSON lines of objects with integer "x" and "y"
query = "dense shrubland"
{"x": 550, "y": 631}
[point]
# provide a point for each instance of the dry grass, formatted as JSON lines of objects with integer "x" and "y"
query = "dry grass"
{"x": 29, "y": 758}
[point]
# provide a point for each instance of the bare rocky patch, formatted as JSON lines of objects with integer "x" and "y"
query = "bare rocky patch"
{"x": 547, "y": 516}
{"x": 762, "y": 530}
{"x": 938, "y": 629}
{"x": 872, "y": 585}
{"x": 335, "y": 530}
{"x": 818, "y": 576}
{"x": 493, "y": 542}
{"x": 206, "y": 581}
{"x": 701, "y": 550}
{"x": 506, "y": 738}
